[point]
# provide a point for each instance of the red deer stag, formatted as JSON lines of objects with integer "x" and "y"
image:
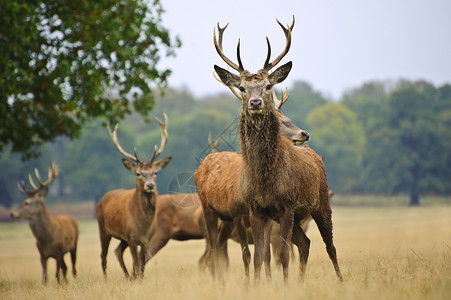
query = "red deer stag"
{"x": 127, "y": 215}
{"x": 55, "y": 235}
{"x": 218, "y": 186}
{"x": 277, "y": 181}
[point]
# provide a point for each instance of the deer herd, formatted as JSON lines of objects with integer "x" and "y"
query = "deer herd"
{"x": 265, "y": 196}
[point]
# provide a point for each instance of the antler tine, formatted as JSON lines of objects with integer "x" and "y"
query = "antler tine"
{"x": 230, "y": 88}
{"x": 287, "y": 31}
{"x": 21, "y": 187}
{"x": 164, "y": 136}
{"x": 213, "y": 146}
{"x": 53, "y": 172}
{"x": 283, "y": 98}
{"x": 113, "y": 136}
{"x": 220, "y": 51}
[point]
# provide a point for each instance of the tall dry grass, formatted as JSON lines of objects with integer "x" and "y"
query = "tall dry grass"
{"x": 384, "y": 253}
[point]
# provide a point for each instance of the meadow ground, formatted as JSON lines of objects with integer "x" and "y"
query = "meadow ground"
{"x": 384, "y": 253}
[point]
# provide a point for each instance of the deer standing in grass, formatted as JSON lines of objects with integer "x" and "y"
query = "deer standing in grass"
{"x": 127, "y": 215}
{"x": 277, "y": 181}
{"x": 219, "y": 188}
{"x": 55, "y": 235}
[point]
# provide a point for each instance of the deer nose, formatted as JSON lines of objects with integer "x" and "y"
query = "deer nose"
{"x": 305, "y": 135}
{"x": 150, "y": 186}
{"x": 255, "y": 103}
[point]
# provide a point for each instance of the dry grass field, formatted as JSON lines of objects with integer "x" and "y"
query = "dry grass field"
{"x": 384, "y": 253}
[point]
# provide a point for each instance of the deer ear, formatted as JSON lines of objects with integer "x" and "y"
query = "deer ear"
{"x": 229, "y": 79}
{"x": 128, "y": 164}
{"x": 280, "y": 73}
{"x": 162, "y": 163}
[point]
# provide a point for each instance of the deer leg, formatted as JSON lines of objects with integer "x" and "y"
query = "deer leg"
{"x": 267, "y": 257}
{"x": 135, "y": 259}
{"x": 242, "y": 237}
{"x": 324, "y": 221}
{"x": 259, "y": 222}
{"x": 44, "y": 268}
{"x": 105, "y": 243}
{"x": 203, "y": 260}
{"x": 276, "y": 243}
{"x": 303, "y": 243}
{"x": 73, "y": 257}
{"x": 225, "y": 230}
{"x": 142, "y": 258}
{"x": 286, "y": 232}
{"x": 211, "y": 224}
{"x": 157, "y": 242}
{"x": 63, "y": 267}
{"x": 120, "y": 256}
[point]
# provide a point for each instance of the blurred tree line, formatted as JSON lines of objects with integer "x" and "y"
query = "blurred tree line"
{"x": 381, "y": 138}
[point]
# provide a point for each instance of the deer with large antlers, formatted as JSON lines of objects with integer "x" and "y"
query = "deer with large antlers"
{"x": 219, "y": 187}
{"x": 127, "y": 215}
{"x": 278, "y": 181}
{"x": 55, "y": 235}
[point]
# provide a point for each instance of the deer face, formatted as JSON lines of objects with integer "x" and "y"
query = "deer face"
{"x": 30, "y": 209}
{"x": 146, "y": 173}
{"x": 256, "y": 89}
{"x": 291, "y": 131}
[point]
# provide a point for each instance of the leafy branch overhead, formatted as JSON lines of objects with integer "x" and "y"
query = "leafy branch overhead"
{"x": 67, "y": 62}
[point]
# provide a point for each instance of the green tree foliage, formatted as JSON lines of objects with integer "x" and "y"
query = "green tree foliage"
{"x": 372, "y": 142}
{"x": 416, "y": 129}
{"x": 339, "y": 138}
{"x": 65, "y": 62}
{"x": 407, "y": 129}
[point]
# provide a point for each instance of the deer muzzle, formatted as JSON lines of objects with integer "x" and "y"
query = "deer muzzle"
{"x": 149, "y": 187}
{"x": 255, "y": 106}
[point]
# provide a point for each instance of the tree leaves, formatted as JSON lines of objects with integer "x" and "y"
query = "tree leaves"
{"x": 63, "y": 60}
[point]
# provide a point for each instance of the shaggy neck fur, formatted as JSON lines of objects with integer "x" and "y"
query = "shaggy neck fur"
{"x": 259, "y": 139}
{"x": 41, "y": 225}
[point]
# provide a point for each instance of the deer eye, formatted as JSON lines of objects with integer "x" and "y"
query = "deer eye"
{"x": 241, "y": 89}
{"x": 268, "y": 87}
{"x": 138, "y": 174}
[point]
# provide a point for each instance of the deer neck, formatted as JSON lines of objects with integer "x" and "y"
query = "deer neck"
{"x": 41, "y": 225}
{"x": 259, "y": 145}
{"x": 145, "y": 202}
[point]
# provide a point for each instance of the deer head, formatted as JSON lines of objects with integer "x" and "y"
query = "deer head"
{"x": 145, "y": 172}
{"x": 256, "y": 89}
{"x": 33, "y": 206}
{"x": 287, "y": 128}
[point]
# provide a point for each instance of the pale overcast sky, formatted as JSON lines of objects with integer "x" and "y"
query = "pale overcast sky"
{"x": 336, "y": 45}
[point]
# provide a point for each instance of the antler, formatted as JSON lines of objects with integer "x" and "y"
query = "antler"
{"x": 218, "y": 47}
{"x": 230, "y": 88}
{"x": 283, "y": 98}
{"x": 164, "y": 137}
{"x": 287, "y": 31}
{"x": 113, "y": 136}
{"x": 53, "y": 172}
{"x": 214, "y": 147}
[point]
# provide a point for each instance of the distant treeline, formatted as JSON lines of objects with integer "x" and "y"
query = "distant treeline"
{"x": 380, "y": 138}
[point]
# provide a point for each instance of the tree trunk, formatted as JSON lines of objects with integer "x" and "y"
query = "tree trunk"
{"x": 414, "y": 199}
{"x": 414, "y": 192}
